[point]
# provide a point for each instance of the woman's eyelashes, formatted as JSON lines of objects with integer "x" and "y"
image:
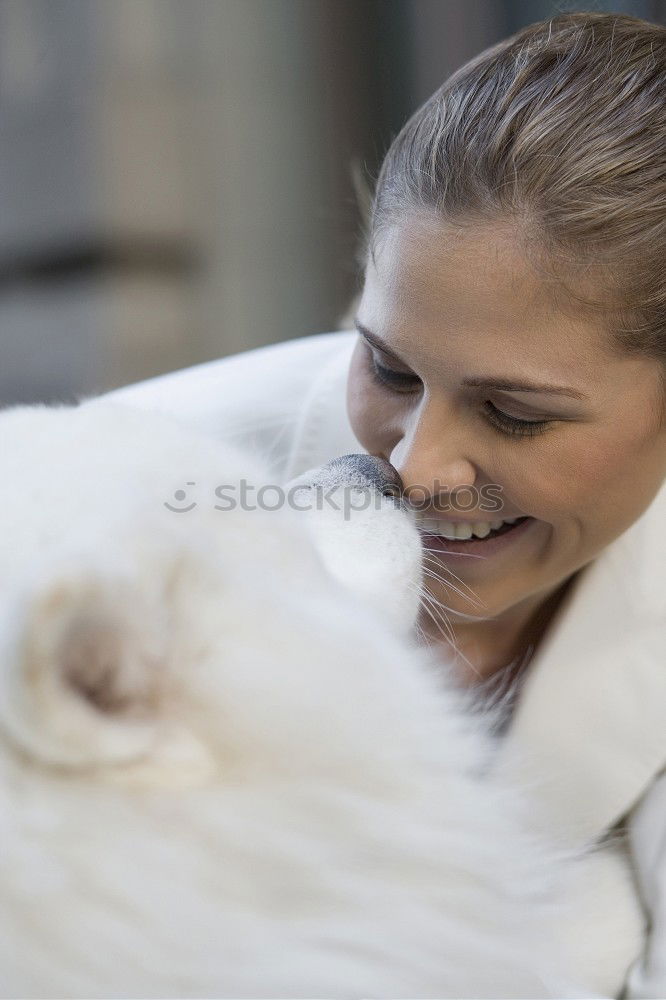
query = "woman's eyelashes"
{"x": 507, "y": 424}
{"x": 503, "y": 422}
{"x": 394, "y": 379}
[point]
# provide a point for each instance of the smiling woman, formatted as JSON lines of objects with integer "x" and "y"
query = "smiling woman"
{"x": 513, "y": 335}
{"x": 509, "y": 362}
{"x": 468, "y": 373}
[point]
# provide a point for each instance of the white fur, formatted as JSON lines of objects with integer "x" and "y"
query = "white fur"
{"x": 220, "y": 773}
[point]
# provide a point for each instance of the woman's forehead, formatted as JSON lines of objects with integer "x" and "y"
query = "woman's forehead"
{"x": 466, "y": 266}
{"x": 472, "y": 288}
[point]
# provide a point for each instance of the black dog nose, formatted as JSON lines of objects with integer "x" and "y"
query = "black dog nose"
{"x": 366, "y": 470}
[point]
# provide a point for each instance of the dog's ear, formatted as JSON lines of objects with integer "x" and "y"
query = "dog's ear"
{"x": 83, "y": 679}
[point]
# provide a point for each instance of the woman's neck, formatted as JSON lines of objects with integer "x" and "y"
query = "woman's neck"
{"x": 484, "y": 648}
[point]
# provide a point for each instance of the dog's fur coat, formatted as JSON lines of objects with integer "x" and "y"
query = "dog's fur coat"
{"x": 221, "y": 772}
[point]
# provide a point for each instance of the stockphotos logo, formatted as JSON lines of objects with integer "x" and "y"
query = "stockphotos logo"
{"x": 344, "y": 497}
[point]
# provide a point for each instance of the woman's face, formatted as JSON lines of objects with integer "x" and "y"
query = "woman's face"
{"x": 451, "y": 323}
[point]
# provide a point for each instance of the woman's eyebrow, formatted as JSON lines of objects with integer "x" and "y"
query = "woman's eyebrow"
{"x": 377, "y": 342}
{"x": 498, "y": 383}
{"x": 524, "y": 385}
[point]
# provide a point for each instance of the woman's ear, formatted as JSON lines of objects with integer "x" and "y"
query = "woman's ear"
{"x": 84, "y": 673}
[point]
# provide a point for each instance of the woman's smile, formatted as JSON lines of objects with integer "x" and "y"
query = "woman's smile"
{"x": 474, "y": 540}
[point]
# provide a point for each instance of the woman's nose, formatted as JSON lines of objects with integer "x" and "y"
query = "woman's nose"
{"x": 432, "y": 457}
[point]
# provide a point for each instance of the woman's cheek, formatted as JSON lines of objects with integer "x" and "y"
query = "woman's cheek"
{"x": 536, "y": 479}
{"x": 569, "y": 484}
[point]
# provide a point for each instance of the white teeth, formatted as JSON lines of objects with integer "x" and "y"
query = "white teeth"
{"x": 463, "y": 530}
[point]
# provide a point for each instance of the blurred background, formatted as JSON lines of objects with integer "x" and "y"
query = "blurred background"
{"x": 177, "y": 176}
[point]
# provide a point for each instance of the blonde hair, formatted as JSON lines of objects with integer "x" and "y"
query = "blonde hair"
{"x": 560, "y": 129}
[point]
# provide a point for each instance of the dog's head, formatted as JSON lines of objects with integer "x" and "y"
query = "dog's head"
{"x": 134, "y": 611}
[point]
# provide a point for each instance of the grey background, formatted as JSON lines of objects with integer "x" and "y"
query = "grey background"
{"x": 176, "y": 176}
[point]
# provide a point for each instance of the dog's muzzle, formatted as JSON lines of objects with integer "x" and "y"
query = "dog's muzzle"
{"x": 363, "y": 471}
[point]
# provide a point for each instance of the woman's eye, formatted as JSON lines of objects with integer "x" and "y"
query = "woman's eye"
{"x": 399, "y": 381}
{"x": 503, "y": 422}
{"x": 513, "y": 425}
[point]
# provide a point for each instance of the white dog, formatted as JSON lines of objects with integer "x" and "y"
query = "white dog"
{"x": 223, "y": 771}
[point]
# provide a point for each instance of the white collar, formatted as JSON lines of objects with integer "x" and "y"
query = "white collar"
{"x": 590, "y": 725}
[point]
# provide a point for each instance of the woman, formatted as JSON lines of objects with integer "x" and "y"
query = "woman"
{"x": 512, "y": 338}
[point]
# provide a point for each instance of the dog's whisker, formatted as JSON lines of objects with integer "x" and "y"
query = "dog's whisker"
{"x": 437, "y": 612}
{"x": 436, "y": 562}
{"x": 471, "y": 597}
{"x": 465, "y": 555}
{"x": 446, "y": 583}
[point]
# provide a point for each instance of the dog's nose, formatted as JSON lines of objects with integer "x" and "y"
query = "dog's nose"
{"x": 364, "y": 470}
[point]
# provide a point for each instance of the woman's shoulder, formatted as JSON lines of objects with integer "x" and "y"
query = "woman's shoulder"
{"x": 275, "y": 375}
{"x": 286, "y": 400}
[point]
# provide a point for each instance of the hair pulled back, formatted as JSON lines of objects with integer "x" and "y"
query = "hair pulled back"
{"x": 560, "y": 131}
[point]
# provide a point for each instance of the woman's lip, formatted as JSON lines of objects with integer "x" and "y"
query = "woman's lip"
{"x": 477, "y": 548}
{"x": 466, "y": 520}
